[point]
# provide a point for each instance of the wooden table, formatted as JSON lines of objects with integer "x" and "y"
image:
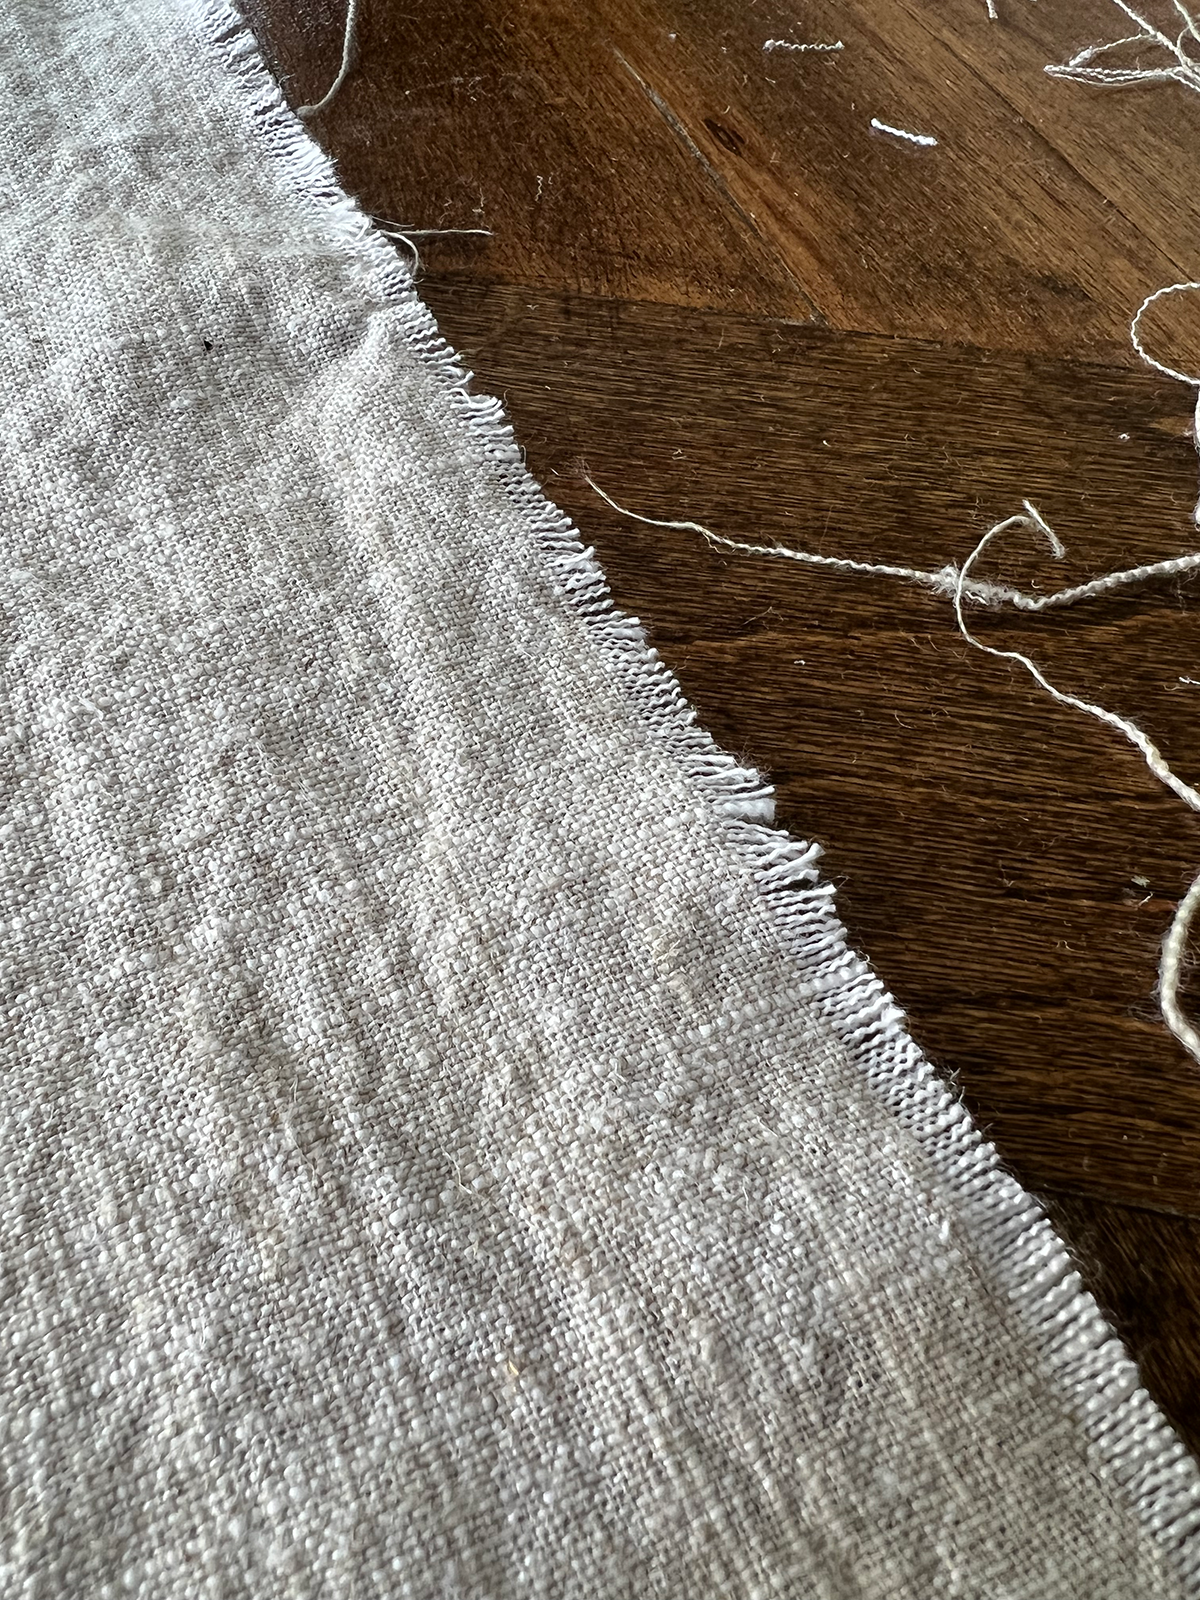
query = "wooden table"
{"x": 707, "y": 279}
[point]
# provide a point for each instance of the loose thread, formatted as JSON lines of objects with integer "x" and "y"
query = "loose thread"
{"x": 1136, "y": 338}
{"x": 902, "y": 133}
{"x": 959, "y": 584}
{"x": 1171, "y": 965}
{"x": 1176, "y": 940}
{"x": 1150, "y": 751}
{"x": 405, "y": 236}
{"x": 349, "y": 39}
{"x": 942, "y": 580}
{"x": 1186, "y": 68}
{"x": 786, "y": 44}
{"x": 1160, "y": 366}
{"x": 962, "y": 586}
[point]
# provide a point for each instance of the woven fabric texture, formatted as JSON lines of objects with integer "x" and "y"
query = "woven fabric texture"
{"x": 448, "y": 1148}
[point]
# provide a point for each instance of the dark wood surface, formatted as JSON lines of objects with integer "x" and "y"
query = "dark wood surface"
{"x": 712, "y": 286}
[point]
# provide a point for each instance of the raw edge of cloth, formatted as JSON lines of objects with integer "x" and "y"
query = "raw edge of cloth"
{"x": 1080, "y": 1353}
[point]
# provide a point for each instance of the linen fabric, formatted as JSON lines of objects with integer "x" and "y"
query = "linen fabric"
{"x": 448, "y": 1148}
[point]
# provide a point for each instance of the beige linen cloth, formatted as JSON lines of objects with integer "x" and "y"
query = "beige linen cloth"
{"x": 448, "y": 1147}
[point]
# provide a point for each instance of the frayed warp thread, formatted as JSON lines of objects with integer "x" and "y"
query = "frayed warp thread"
{"x": 1175, "y": 942}
{"x": 406, "y": 236}
{"x": 947, "y": 580}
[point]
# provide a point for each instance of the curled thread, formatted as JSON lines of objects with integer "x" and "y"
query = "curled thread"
{"x": 1136, "y": 337}
{"x": 786, "y": 44}
{"x": 1174, "y": 946}
{"x": 348, "y": 44}
{"x": 1161, "y": 366}
{"x": 408, "y": 236}
{"x": 1176, "y": 940}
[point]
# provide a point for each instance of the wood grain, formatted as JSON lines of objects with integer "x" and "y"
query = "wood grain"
{"x": 650, "y": 149}
{"x": 521, "y": 120}
{"x": 708, "y": 280}
{"x": 996, "y": 229}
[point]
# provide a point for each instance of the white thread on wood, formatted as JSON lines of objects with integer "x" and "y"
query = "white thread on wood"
{"x": 902, "y": 133}
{"x": 397, "y": 230}
{"x": 958, "y": 583}
{"x": 348, "y": 45}
{"x": 1135, "y": 336}
{"x": 1171, "y": 966}
{"x": 786, "y": 44}
{"x": 408, "y": 236}
{"x": 942, "y": 580}
{"x": 1183, "y": 68}
{"x": 1175, "y": 942}
{"x": 1161, "y": 366}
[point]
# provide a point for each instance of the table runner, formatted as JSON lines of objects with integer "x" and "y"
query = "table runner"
{"x": 449, "y": 1147}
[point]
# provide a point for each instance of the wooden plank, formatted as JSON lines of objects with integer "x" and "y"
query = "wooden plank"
{"x": 519, "y": 119}
{"x": 651, "y": 149}
{"x": 1002, "y": 235}
{"x": 1008, "y": 865}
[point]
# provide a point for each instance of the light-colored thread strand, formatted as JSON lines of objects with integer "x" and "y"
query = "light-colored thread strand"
{"x": 1175, "y": 942}
{"x": 1149, "y": 31}
{"x": 1135, "y": 336}
{"x": 1171, "y": 966}
{"x": 786, "y": 44}
{"x": 960, "y": 586}
{"x": 407, "y": 236}
{"x": 348, "y": 44}
{"x": 942, "y": 580}
{"x": 1160, "y": 366}
{"x": 1189, "y": 22}
{"x": 902, "y": 133}
{"x": 1184, "y": 69}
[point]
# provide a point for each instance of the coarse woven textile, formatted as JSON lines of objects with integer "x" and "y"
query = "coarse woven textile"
{"x": 448, "y": 1147}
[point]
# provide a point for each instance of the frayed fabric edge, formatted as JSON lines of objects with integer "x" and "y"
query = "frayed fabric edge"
{"x": 1080, "y": 1354}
